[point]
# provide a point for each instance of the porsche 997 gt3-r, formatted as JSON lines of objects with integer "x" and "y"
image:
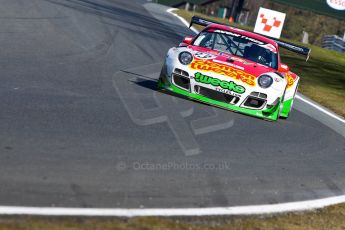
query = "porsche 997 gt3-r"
{"x": 233, "y": 69}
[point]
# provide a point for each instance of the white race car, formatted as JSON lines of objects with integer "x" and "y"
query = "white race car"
{"x": 233, "y": 69}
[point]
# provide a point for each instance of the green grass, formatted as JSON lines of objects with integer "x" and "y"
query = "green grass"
{"x": 322, "y": 77}
{"x": 328, "y": 218}
{"x": 321, "y": 80}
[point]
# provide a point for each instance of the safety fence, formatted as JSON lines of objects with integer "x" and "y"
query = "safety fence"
{"x": 334, "y": 42}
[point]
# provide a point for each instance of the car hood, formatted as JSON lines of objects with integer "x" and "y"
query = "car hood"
{"x": 205, "y": 55}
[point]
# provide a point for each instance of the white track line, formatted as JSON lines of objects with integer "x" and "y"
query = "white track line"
{"x": 320, "y": 108}
{"x": 297, "y": 96}
{"x": 170, "y": 11}
{"x": 217, "y": 211}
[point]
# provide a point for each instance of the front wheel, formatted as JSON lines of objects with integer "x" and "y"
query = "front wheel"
{"x": 287, "y": 105}
{"x": 286, "y": 108}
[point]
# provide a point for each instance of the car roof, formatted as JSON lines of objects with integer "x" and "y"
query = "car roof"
{"x": 243, "y": 32}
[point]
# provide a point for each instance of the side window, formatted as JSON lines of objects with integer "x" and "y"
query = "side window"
{"x": 205, "y": 40}
{"x": 199, "y": 39}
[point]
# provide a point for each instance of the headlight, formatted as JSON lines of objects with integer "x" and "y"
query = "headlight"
{"x": 185, "y": 58}
{"x": 265, "y": 81}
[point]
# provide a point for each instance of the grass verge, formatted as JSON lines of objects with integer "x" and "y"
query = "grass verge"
{"x": 322, "y": 77}
{"x": 329, "y": 218}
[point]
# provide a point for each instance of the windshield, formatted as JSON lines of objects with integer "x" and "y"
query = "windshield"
{"x": 239, "y": 45}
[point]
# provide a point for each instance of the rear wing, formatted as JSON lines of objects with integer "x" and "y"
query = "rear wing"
{"x": 305, "y": 51}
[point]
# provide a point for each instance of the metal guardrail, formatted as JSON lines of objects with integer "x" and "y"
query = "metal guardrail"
{"x": 334, "y": 42}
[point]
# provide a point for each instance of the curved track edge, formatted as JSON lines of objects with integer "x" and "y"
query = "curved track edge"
{"x": 165, "y": 212}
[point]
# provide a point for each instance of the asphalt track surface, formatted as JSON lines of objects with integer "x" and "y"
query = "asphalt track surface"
{"x": 82, "y": 125}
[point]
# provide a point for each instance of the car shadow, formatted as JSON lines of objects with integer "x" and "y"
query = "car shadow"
{"x": 152, "y": 84}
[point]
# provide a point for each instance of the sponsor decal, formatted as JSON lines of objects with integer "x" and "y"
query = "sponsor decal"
{"x": 228, "y": 92}
{"x": 229, "y": 64}
{"x": 204, "y": 56}
{"x": 337, "y": 4}
{"x": 227, "y": 85}
{"x": 290, "y": 80}
{"x": 227, "y": 32}
{"x": 226, "y": 70}
{"x": 240, "y": 36}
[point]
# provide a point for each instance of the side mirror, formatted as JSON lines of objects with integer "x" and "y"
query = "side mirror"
{"x": 283, "y": 68}
{"x": 188, "y": 40}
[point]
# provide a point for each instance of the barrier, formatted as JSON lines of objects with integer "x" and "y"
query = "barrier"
{"x": 333, "y": 42}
